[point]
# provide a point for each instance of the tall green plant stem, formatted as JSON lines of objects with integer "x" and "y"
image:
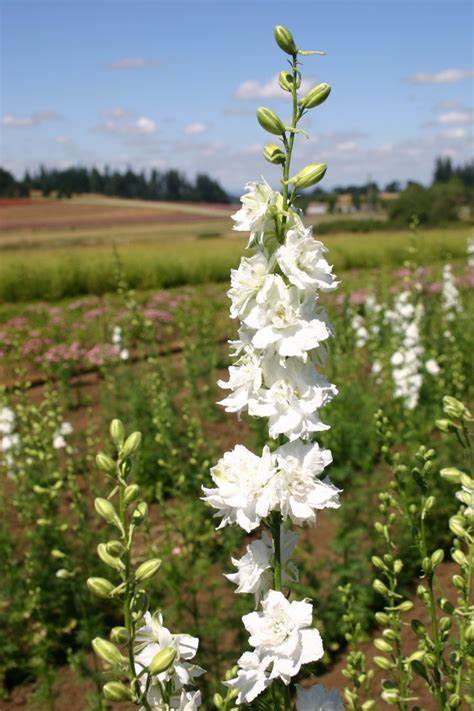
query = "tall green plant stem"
{"x": 288, "y": 142}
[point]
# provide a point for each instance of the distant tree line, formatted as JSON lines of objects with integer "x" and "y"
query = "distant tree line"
{"x": 156, "y": 185}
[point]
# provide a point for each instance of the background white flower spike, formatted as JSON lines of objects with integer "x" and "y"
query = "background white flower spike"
{"x": 317, "y": 698}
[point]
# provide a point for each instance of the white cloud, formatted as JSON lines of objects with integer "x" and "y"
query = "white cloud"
{"x": 346, "y": 147}
{"x": 446, "y": 76}
{"x": 455, "y": 133}
{"x": 133, "y": 63}
{"x": 62, "y": 140}
{"x": 118, "y": 122}
{"x": 144, "y": 125}
{"x": 451, "y": 117}
{"x": 10, "y": 121}
{"x": 253, "y": 89}
{"x": 193, "y": 129}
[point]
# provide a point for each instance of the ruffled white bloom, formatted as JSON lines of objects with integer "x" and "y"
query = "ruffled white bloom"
{"x": 154, "y": 637}
{"x": 254, "y": 569}
{"x": 432, "y": 367}
{"x": 7, "y": 420}
{"x": 282, "y": 322}
{"x": 295, "y": 392}
{"x": 296, "y": 491}
{"x": 318, "y": 698}
{"x": 450, "y": 294}
{"x": 59, "y": 437}
{"x": 282, "y": 635}
{"x": 252, "y": 677}
{"x": 301, "y": 260}
{"x": 246, "y": 282}
{"x": 240, "y": 477}
{"x": 245, "y": 381}
{"x": 184, "y": 701}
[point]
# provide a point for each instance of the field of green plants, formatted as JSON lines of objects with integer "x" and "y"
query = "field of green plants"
{"x": 93, "y": 336}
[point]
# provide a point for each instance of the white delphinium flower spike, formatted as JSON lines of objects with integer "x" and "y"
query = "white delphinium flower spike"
{"x": 59, "y": 436}
{"x": 7, "y": 420}
{"x": 301, "y": 259}
{"x": 450, "y": 294}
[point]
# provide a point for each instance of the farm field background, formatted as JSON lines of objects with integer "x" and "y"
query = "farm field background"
{"x": 113, "y": 308}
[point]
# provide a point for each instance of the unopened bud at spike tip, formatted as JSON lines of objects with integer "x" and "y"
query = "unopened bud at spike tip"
{"x": 316, "y": 96}
{"x": 131, "y": 444}
{"x": 269, "y": 121}
{"x": 117, "y": 432}
{"x": 284, "y": 39}
{"x": 162, "y": 660}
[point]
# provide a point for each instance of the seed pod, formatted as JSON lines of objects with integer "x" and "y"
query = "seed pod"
{"x": 274, "y": 154}
{"x": 147, "y": 569}
{"x": 316, "y": 96}
{"x": 309, "y": 175}
{"x": 162, "y": 660}
{"x": 119, "y": 635}
{"x": 131, "y": 493}
{"x": 270, "y": 121}
{"x": 105, "y": 463}
{"x": 100, "y": 587}
{"x": 284, "y": 39}
{"x": 131, "y": 445}
{"x": 107, "y": 651}
{"x": 116, "y": 691}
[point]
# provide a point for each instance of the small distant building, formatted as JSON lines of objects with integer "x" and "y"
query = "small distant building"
{"x": 388, "y": 196}
{"x": 317, "y": 208}
{"x": 344, "y": 204}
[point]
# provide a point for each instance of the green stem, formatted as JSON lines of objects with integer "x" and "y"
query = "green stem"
{"x": 288, "y": 142}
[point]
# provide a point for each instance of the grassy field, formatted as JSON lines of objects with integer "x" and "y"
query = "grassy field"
{"x": 62, "y": 250}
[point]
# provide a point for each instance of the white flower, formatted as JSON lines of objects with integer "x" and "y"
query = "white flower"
{"x": 295, "y": 393}
{"x": 282, "y": 634}
{"x": 281, "y": 321}
{"x": 254, "y": 569}
{"x": 252, "y": 677}
{"x": 432, "y": 367}
{"x": 154, "y": 637}
{"x": 466, "y": 497}
{"x": 246, "y": 282}
{"x": 296, "y": 490}
{"x": 59, "y": 437}
{"x": 117, "y": 336}
{"x": 124, "y": 354}
{"x": 301, "y": 260}
{"x": 7, "y": 420}
{"x": 376, "y": 367}
{"x": 450, "y": 294}
{"x": 317, "y": 698}
{"x": 10, "y": 441}
{"x": 245, "y": 381}
{"x": 240, "y": 477}
{"x": 184, "y": 701}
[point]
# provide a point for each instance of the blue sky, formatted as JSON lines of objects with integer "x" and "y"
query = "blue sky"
{"x": 176, "y": 84}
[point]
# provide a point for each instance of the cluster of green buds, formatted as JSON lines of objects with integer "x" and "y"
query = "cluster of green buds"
{"x": 227, "y": 702}
{"x": 360, "y": 678}
{"x": 124, "y": 511}
{"x": 290, "y": 81}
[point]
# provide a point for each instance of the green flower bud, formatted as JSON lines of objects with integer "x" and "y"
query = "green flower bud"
{"x": 451, "y": 474}
{"x": 459, "y": 557}
{"x": 106, "y": 510}
{"x": 445, "y": 425}
{"x": 105, "y": 463}
{"x": 455, "y": 408}
{"x": 390, "y": 696}
{"x": 458, "y": 582}
{"x": 131, "y": 493}
{"x": 147, "y": 569}
{"x": 117, "y": 432}
{"x": 162, "y": 660}
{"x": 119, "y": 635}
{"x": 382, "y": 645}
{"x": 398, "y": 566}
{"x": 270, "y": 121}
{"x": 284, "y": 39}
{"x": 108, "y": 651}
{"x": 309, "y": 175}
{"x": 274, "y": 154}
{"x": 285, "y": 80}
{"x": 316, "y": 96}
{"x": 114, "y": 548}
{"x": 437, "y": 557}
{"x": 110, "y": 560}
{"x": 457, "y": 527}
{"x": 218, "y": 701}
{"x": 378, "y": 562}
{"x": 382, "y": 618}
{"x": 368, "y": 705}
{"x": 116, "y": 691}
{"x": 131, "y": 445}
{"x": 383, "y": 663}
{"x": 405, "y": 606}
{"x": 140, "y": 513}
{"x": 100, "y": 587}
{"x": 470, "y": 633}
{"x": 380, "y": 587}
